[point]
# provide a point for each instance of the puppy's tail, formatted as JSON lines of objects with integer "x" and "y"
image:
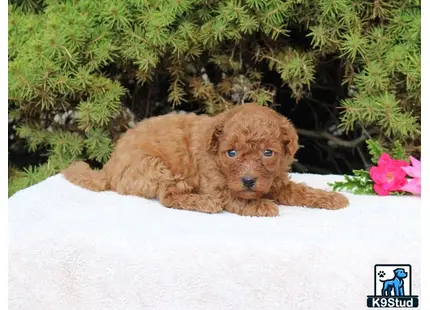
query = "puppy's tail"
{"x": 81, "y": 174}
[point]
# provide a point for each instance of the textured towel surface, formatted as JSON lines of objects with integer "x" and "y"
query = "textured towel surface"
{"x": 70, "y": 248}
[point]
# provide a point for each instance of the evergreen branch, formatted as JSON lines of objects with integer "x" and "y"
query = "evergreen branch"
{"x": 337, "y": 141}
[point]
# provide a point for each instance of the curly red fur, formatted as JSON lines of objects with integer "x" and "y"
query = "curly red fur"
{"x": 183, "y": 160}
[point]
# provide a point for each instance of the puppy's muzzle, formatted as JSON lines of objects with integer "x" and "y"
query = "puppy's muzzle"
{"x": 249, "y": 182}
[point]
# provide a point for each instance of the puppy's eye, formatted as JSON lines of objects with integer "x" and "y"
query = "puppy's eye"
{"x": 231, "y": 153}
{"x": 268, "y": 153}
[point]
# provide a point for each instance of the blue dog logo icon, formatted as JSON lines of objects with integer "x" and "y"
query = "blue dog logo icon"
{"x": 395, "y": 284}
{"x": 392, "y": 287}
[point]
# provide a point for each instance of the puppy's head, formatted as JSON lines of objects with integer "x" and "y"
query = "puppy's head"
{"x": 253, "y": 146}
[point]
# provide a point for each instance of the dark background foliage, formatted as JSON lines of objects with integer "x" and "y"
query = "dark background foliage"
{"x": 81, "y": 73}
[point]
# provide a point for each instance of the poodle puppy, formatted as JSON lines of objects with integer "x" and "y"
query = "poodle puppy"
{"x": 235, "y": 161}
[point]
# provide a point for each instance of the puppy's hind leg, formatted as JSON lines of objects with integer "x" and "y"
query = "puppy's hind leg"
{"x": 137, "y": 176}
{"x": 150, "y": 178}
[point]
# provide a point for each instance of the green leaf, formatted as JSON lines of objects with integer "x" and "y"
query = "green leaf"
{"x": 375, "y": 149}
{"x": 398, "y": 151}
{"x": 359, "y": 183}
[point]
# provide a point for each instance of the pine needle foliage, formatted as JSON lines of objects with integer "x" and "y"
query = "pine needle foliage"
{"x": 63, "y": 98}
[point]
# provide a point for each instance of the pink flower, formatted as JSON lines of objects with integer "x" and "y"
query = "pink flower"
{"x": 388, "y": 175}
{"x": 414, "y": 171}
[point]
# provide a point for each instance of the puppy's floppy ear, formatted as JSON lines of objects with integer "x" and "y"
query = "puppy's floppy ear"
{"x": 289, "y": 137}
{"x": 214, "y": 132}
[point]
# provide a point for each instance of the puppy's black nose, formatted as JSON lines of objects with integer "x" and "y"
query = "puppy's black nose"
{"x": 249, "y": 182}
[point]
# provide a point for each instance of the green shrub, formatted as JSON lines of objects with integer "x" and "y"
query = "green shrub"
{"x": 67, "y": 61}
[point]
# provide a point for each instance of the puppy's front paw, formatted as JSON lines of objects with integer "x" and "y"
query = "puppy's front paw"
{"x": 263, "y": 207}
{"x": 332, "y": 201}
{"x": 211, "y": 205}
{"x": 193, "y": 202}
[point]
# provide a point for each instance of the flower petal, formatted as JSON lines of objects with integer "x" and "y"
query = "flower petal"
{"x": 385, "y": 158}
{"x": 400, "y": 163}
{"x": 416, "y": 164}
{"x": 378, "y": 174}
{"x": 397, "y": 184}
{"x": 410, "y": 171}
{"x": 413, "y": 186}
{"x": 380, "y": 190}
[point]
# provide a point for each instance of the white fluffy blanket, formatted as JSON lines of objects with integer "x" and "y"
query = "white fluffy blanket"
{"x": 71, "y": 248}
